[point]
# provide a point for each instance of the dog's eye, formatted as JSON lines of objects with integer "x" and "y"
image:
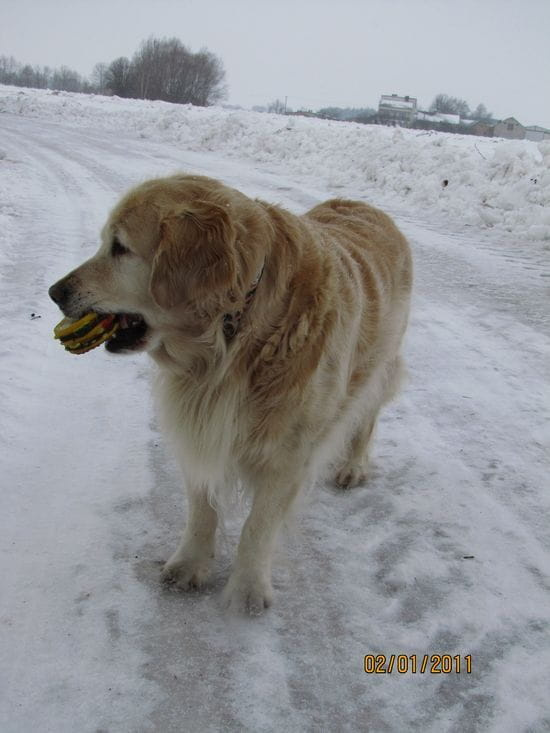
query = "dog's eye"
{"x": 118, "y": 249}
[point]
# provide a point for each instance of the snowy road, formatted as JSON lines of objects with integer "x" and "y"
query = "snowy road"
{"x": 445, "y": 551}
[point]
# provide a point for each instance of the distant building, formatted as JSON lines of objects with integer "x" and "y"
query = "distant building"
{"x": 537, "y": 133}
{"x": 510, "y": 128}
{"x": 395, "y": 110}
{"x": 484, "y": 128}
{"x": 438, "y": 118}
{"x": 404, "y": 112}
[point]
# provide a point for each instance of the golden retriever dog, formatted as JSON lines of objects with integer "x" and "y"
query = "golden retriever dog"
{"x": 277, "y": 341}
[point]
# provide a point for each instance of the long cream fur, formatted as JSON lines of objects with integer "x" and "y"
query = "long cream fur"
{"x": 296, "y": 390}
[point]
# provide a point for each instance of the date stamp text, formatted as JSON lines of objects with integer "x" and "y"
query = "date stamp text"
{"x": 418, "y": 663}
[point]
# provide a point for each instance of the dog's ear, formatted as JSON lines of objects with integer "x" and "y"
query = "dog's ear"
{"x": 196, "y": 255}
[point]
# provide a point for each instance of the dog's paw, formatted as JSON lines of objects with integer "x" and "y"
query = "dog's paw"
{"x": 247, "y": 594}
{"x": 350, "y": 476}
{"x": 186, "y": 573}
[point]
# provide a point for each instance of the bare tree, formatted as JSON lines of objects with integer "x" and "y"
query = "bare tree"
{"x": 119, "y": 78}
{"x": 208, "y": 79}
{"x": 46, "y": 76}
{"x": 8, "y": 69}
{"x": 277, "y": 107}
{"x": 166, "y": 69}
{"x": 26, "y": 76}
{"x": 481, "y": 113}
{"x": 99, "y": 78}
{"x": 145, "y": 67}
{"x": 450, "y": 105}
{"x": 12, "y": 72}
{"x": 66, "y": 80}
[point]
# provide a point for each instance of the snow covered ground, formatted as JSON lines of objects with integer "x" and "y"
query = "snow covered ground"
{"x": 491, "y": 183}
{"x": 446, "y": 549}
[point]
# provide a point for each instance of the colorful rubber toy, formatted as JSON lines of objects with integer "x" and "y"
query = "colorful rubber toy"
{"x": 86, "y": 333}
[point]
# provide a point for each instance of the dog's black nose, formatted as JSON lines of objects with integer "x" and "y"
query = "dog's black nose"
{"x": 59, "y": 292}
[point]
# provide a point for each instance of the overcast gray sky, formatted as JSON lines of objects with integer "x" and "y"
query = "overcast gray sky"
{"x": 316, "y": 52}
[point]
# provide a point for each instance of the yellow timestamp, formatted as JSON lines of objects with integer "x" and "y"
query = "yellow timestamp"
{"x": 418, "y": 663}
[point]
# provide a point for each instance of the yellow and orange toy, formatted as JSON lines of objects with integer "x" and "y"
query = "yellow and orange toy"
{"x": 87, "y": 332}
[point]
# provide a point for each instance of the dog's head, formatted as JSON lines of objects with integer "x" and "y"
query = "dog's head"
{"x": 170, "y": 255}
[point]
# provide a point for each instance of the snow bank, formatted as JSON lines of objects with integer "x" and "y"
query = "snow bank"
{"x": 483, "y": 182}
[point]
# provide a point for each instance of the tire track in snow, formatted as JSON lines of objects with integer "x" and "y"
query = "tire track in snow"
{"x": 63, "y": 540}
{"x": 75, "y": 180}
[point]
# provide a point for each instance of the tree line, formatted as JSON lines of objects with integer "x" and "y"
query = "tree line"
{"x": 442, "y": 103}
{"x": 41, "y": 77}
{"x": 343, "y": 114}
{"x": 163, "y": 69}
{"x": 445, "y": 104}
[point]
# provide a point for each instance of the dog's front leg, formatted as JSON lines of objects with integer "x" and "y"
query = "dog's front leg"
{"x": 190, "y": 565}
{"x": 249, "y": 586}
